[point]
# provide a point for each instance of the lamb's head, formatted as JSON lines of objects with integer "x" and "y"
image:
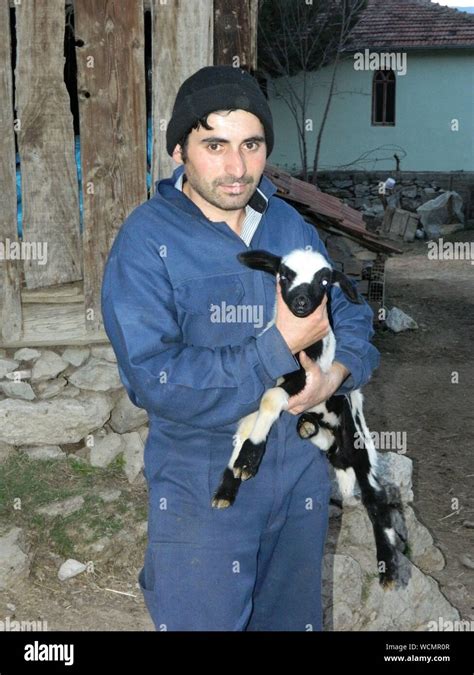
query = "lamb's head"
{"x": 305, "y": 276}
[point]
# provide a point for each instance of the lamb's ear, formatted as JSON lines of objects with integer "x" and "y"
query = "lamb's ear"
{"x": 346, "y": 286}
{"x": 260, "y": 260}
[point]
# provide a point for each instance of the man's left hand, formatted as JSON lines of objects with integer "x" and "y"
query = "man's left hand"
{"x": 319, "y": 385}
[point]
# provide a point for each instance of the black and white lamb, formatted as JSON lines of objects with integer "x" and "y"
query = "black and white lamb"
{"x": 334, "y": 426}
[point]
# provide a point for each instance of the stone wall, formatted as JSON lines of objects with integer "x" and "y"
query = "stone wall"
{"x": 69, "y": 400}
{"x": 359, "y": 189}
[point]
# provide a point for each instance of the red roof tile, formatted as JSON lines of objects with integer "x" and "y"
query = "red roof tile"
{"x": 411, "y": 24}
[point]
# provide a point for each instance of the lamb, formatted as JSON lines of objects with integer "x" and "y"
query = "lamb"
{"x": 305, "y": 276}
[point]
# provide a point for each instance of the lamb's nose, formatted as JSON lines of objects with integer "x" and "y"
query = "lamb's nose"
{"x": 301, "y": 302}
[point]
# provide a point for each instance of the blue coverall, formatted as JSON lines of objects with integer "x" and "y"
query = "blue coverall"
{"x": 256, "y": 565}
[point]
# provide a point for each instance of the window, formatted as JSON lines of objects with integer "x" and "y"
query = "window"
{"x": 383, "y": 98}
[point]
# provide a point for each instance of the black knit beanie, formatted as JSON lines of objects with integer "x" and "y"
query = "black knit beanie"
{"x": 217, "y": 88}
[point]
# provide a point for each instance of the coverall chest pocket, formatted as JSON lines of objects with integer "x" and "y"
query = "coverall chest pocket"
{"x": 212, "y": 310}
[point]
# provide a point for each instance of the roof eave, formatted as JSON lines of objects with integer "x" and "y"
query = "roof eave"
{"x": 380, "y": 48}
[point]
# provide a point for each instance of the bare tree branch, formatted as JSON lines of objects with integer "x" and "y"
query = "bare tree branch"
{"x": 295, "y": 40}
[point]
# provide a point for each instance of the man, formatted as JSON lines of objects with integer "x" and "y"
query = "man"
{"x": 172, "y": 301}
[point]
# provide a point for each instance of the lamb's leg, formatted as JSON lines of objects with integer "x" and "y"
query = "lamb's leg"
{"x": 313, "y": 425}
{"x": 320, "y": 428}
{"x": 363, "y": 461}
{"x": 273, "y": 402}
{"x": 229, "y": 486}
{"x": 374, "y": 499}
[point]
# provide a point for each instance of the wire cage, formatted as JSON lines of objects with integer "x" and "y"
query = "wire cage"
{"x": 376, "y": 291}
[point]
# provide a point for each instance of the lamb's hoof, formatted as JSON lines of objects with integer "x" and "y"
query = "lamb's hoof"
{"x": 246, "y": 470}
{"x": 219, "y": 503}
{"x": 307, "y": 430}
{"x": 307, "y": 425}
{"x": 226, "y": 492}
{"x": 247, "y": 463}
{"x": 388, "y": 572}
{"x": 237, "y": 472}
{"x": 397, "y": 574}
{"x": 243, "y": 472}
{"x": 387, "y": 583}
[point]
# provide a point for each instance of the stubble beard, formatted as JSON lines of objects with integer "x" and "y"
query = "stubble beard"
{"x": 210, "y": 192}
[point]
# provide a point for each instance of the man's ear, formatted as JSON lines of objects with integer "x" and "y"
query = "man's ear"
{"x": 340, "y": 279}
{"x": 260, "y": 260}
{"x": 177, "y": 154}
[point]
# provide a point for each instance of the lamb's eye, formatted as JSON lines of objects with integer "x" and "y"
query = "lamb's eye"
{"x": 282, "y": 277}
{"x": 324, "y": 282}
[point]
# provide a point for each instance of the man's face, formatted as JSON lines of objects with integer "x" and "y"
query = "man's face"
{"x": 224, "y": 164}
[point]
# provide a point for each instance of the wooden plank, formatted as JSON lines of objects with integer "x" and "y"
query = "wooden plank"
{"x": 235, "y": 36}
{"x": 55, "y": 294}
{"x": 147, "y": 3}
{"x": 182, "y": 43}
{"x": 50, "y": 196}
{"x": 369, "y": 241}
{"x": 52, "y": 324}
{"x": 112, "y": 108}
{"x": 10, "y": 301}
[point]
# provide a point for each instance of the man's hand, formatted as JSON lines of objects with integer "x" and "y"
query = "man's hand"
{"x": 319, "y": 386}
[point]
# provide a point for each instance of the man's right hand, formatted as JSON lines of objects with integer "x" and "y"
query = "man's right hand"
{"x": 298, "y": 332}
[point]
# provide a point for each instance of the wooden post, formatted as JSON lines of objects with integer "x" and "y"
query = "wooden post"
{"x": 10, "y": 300}
{"x": 50, "y": 193}
{"x": 111, "y": 85}
{"x": 182, "y": 39}
{"x": 235, "y": 33}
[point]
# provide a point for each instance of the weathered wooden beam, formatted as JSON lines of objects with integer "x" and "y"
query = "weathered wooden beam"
{"x": 54, "y": 324}
{"x": 15, "y": 3}
{"x": 10, "y": 301}
{"x": 235, "y": 34}
{"x": 182, "y": 42}
{"x": 53, "y": 316}
{"x": 112, "y": 108}
{"x": 55, "y": 295}
{"x": 50, "y": 195}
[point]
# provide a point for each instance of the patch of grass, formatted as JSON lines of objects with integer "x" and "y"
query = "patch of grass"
{"x": 81, "y": 468}
{"x": 86, "y": 525}
{"x": 122, "y": 507}
{"x": 118, "y": 464}
{"x": 26, "y": 485}
{"x": 141, "y": 512}
{"x": 61, "y": 538}
{"x": 90, "y": 473}
{"x": 106, "y": 526}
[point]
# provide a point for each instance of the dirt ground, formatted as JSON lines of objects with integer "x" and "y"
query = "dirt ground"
{"x": 109, "y": 537}
{"x": 413, "y": 392}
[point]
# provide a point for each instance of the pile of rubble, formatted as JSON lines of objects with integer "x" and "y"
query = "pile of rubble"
{"x": 406, "y": 210}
